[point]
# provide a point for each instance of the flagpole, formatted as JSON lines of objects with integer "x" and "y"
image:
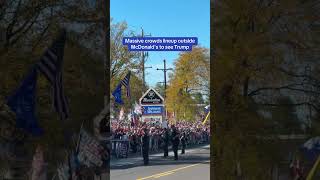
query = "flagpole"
{"x": 207, "y": 117}
{"x": 313, "y": 170}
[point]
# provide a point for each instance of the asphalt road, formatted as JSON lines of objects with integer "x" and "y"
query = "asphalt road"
{"x": 194, "y": 165}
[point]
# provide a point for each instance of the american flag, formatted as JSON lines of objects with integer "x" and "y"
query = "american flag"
{"x": 50, "y": 65}
{"x": 126, "y": 83}
{"x": 91, "y": 152}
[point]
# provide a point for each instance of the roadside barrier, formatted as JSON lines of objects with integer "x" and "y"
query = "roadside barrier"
{"x": 122, "y": 148}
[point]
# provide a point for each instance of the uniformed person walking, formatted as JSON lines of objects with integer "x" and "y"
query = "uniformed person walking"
{"x": 175, "y": 142}
{"x": 145, "y": 147}
{"x": 165, "y": 138}
{"x": 183, "y": 142}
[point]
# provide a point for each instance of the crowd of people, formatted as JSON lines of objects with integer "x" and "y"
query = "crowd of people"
{"x": 132, "y": 139}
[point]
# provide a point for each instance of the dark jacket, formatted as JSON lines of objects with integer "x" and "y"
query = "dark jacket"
{"x": 175, "y": 138}
{"x": 145, "y": 142}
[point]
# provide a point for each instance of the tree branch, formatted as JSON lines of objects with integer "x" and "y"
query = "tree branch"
{"x": 292, "y": 104}
{"x": 305, "y": 76}
{"x": 286, "y": 87}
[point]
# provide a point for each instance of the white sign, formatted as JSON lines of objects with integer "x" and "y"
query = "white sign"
{"x": 153, "y": 120}
{"x": 150, "y": 98}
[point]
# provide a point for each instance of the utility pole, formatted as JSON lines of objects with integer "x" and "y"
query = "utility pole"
{"x": 144, "y": 55}
{"x": 165, "y": 69}
{"x": 143, "y": 61}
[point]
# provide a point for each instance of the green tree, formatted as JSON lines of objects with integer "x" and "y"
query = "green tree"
{"x": 251, "y": 43}
{"x": 121, "y": 58}
{"x": 198, "y": 97}
{"x": 191, "y": 75}
{"x": 160, "y": 88}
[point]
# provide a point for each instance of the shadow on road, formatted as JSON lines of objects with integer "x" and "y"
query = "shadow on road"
{"x": 188, "y": 158}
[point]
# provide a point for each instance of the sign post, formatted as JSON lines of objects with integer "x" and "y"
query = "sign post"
{"x": 153, "y": 110}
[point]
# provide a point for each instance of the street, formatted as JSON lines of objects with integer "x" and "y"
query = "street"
{"x": 194, "y": 165}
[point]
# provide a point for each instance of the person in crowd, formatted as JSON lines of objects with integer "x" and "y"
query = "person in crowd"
{"x": 175, "y": 141}
{"x": 145, "y": 146}
{"x": 183, "y": 142}
{"x": 159, "y": 137}
{"x": 165, "y": 137}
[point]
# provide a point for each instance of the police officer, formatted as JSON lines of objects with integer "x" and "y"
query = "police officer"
{"x": 183, "y": 142}
{"x": 134, "y": 143}
{"x": 145, "y": 146}
{"x": 175, "y": 141}
{"x": 165, "y": 138}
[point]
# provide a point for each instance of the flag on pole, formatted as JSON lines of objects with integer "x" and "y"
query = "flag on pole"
{"x": 207, "y": 109}
{"x": 133, "y": 118}
{"x": 117, "y": 94}
{"x": 206, "y": 119}
{"x": 137, "y": 108}
{"x": 126, "y": 83}
{"x": 91, "y": 152}
{"x": 311, "y": 148}
{"x": 121, "y": 114}
{"x": 50, "y": 65}
{"x": 23, "y": 101}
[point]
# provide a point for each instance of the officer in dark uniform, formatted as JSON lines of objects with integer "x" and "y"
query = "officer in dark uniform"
{"x": 145, "y": 147}
{"x": 165, "y": 137}
{"x": 183, "y": 142}
{"x": 134, "y": 143}
{"x": 175, "y": 142}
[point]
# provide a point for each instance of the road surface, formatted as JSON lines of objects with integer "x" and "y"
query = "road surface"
{"x": 194, "y": 165}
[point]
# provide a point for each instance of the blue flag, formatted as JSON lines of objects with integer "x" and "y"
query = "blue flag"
{"x": 117, "y": 94}
{"x": 311, "y": 148}
{"x": 23, "y": 101}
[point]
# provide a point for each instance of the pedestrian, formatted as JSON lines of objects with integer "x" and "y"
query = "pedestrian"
{"x": 145, "y": 147}
{"x": 165, "y": 137}
{"x": 175, "y": 141}
{"x": 134, "y": 143}
{"x": 183, "y": 142}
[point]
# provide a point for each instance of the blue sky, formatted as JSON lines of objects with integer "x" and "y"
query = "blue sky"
{"x": 164, "y": 18}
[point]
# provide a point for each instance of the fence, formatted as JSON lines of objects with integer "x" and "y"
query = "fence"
{"x": 122, "y": 148}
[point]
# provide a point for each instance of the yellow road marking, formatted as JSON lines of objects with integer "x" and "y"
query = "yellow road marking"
{"x": 169, "y": 172}
{"x": 163, "y": 174}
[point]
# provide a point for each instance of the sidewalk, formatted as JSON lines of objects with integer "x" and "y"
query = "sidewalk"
{"x": 137, "y": 159}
